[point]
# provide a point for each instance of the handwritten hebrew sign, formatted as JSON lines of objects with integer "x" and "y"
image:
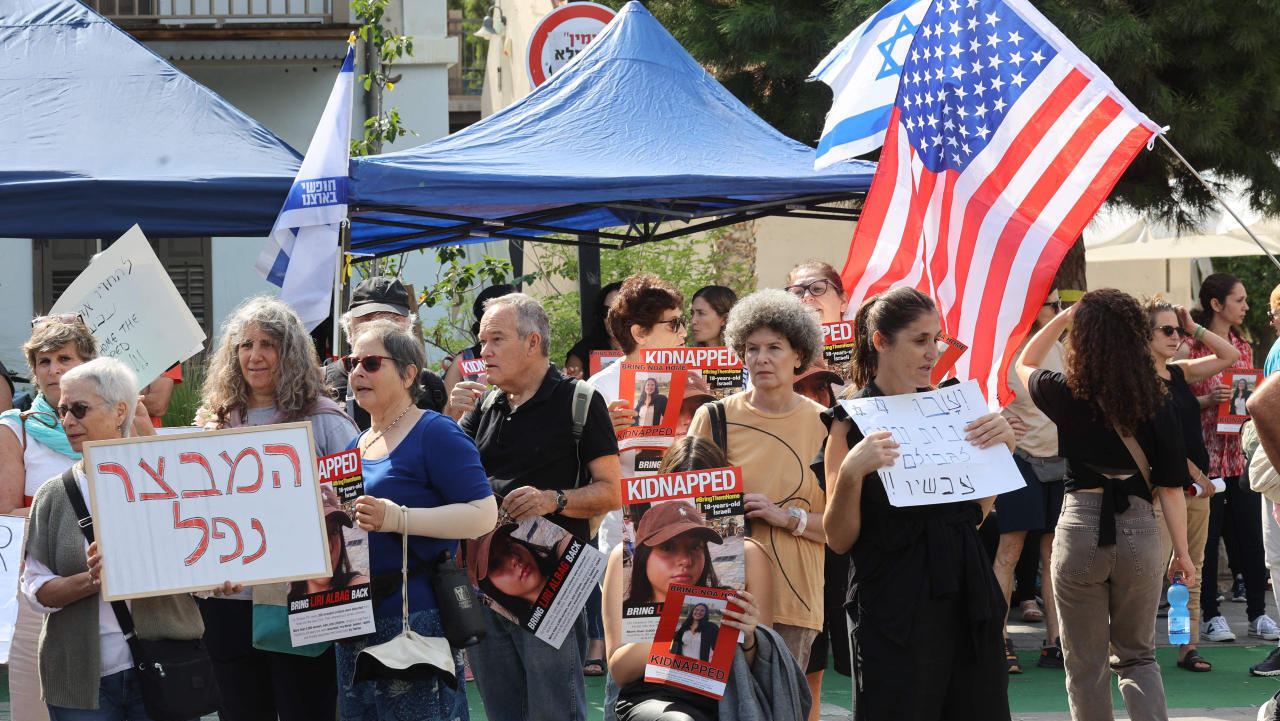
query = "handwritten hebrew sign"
{"x": 131, "y": 306}
{"x": 179, "y": 513}
{"x": 12, "y": 534}
{"x": 937, "y": 464}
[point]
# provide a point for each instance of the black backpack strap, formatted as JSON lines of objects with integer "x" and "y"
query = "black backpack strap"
{"x": 84, "y": 519}
{"x": 719, "y": 425}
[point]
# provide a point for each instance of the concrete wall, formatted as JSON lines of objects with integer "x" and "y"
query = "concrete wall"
{"x": 15, "y": 298}
{"x": 1171, "y": 279}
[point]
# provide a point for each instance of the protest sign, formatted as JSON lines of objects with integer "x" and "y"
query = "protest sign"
{"x": 647, "y": 388}
{"x": 950, "y": 351}
{"x": 720, "y": 367}
{"x": 472, "y": 368}
{"x": 1232, "y": 412}
{"x": 837, "y": 345}
{"x": 339, "y": 606}
{"x": 699, "y": 510}
{"x": 601, "y": 359}
{"x": 12, "y": 542}
{"x": 187, "y": 512}
{"x": 692, "y": 650}
{"x": 535, "y": 574}
{"x": 937, "y": 464}
{"x": 132, "y": 307}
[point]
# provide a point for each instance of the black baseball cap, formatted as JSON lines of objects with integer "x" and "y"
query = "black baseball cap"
{"x": 380, "y": 294}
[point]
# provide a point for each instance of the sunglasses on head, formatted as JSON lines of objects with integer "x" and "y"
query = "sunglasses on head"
{"x": 77, "y": 409}
{"x": 56, "y": 318}
{"x": 1169, "y": 330}
{"x": 815, "y": 288}
{"x": 370, "y": 363}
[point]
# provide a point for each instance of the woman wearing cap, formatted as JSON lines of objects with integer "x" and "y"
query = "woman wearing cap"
{"x": 671, "y": 547}
{"x": 335, "y": 520}
{"x": 422, "y": 461}
{"x": 708, "y": 313}
{"x": 512, "y": 570}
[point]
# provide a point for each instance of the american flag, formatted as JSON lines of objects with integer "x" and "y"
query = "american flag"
{"x": 1003, "y": 142}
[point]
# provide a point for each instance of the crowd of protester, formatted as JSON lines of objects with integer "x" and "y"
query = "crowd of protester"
{"x": 1113, "y": 428}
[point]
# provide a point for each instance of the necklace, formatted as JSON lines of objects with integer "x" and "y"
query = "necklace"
{"x": 383, "y": 432}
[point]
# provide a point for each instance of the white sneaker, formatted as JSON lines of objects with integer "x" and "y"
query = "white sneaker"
{"x": 1263, "y": 627}
{"x": 1216, "y": 629}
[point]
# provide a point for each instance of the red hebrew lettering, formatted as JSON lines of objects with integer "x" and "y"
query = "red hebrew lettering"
{"x": 234, "y": 529}
{"x": 158, "y": 477}
{"x": 257, "y": 526}
{"x": 193, "y": 523}
{"x": 119, "y": 470}
{"x": 199, "y": 458}
{"x": 273, "y": 449}
{"x": 235, "y": 464}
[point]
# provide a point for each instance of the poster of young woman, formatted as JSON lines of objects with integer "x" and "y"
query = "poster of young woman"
{"x": 721, "y": 368}
{"x": 691, "y": 650}
{"x": 648, "y": 388}
{"x": 1232, "y": 412}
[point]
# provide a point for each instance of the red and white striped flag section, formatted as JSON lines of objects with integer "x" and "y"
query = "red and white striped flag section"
{"x": 1003, "y": 142}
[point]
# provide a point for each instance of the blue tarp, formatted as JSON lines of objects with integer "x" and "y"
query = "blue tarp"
{"x": 633, "y": 118}
{"x": 98, "y": 133}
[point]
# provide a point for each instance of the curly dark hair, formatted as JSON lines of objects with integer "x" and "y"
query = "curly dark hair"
{"x": 1109, "y": 362}
{"x": 642, "y": 300}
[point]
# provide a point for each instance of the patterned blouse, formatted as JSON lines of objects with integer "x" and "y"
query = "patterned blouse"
{"x": 1225, "y": 456}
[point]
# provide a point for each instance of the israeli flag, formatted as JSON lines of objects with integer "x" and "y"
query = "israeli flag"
{"x": 863, "y": 72}
{"x": 301, "y": 256}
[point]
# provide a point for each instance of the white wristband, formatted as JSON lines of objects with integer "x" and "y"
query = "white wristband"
{"x": 801, "y": 523}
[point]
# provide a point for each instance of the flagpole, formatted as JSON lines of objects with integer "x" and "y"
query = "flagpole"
{"x": 344, "y": 236}
{"x": 1218, "y": 198}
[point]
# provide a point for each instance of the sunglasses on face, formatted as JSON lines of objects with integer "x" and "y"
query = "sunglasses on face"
{"x": 77, "y": 409}
{"x": 1168, "y": 330}
{"x": 56, "y": 318}
{"x": 817, "y": 288}
{"x": 1272, "y": 314}
{"x": 1055, "y": 304}
{"x": 370, "y": 363}
{"x": 675, "y": 324}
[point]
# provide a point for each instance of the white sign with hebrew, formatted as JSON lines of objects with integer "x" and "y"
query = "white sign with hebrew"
{"x": 937, "y": 464}
{"x": 12, "y": 533}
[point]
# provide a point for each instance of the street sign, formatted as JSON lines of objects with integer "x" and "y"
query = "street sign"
{"x": 561, "y": 35}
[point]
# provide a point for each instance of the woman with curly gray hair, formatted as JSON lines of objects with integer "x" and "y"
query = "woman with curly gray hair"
{"x": 774, "y": 433}
{"x": 265, "y": 371}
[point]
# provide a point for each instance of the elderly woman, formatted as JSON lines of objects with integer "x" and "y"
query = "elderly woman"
{"x": 265, "y": 371}
{"x": 423, "y": 461}
{"x": 774, "y": 433}
{"x": 86, "y": 669}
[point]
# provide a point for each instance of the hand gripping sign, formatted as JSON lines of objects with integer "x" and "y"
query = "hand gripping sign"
{"x": 180, "y": 513}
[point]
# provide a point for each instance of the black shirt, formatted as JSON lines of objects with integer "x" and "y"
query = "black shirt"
{"x": 1185, "y": 405}
{"x": 533, "y": 445}
{"x": 432, "y": 398}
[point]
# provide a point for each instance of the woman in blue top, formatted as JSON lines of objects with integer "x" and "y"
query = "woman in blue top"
{"x": 423, "y": 461}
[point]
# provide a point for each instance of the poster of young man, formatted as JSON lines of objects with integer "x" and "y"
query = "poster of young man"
{"x": 721, "y": 368}
{"x": 338, "y": 606}
{"x": 535, "y": 574}
{"x": 1232, "y": 412}
{"x": 691, "y": 650}
{"x": 685, "y": 528}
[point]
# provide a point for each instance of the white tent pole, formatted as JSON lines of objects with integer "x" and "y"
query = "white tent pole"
{"x": 1218, "y": 198}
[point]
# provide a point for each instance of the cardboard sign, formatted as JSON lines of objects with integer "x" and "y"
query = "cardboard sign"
{"x": 12, "y": 542}
{"x": 698, "y": 507}
{"x": 181, "y": 513}
{"x": 133, "y": 309}
{"x": 649, "y": 389}
{"x": 692, "y": 649}
{"x": 556, "y": 574}
{"x": 951, "y": 350}
{"x": 340, "y": 606}
{"x": 720, "y": 367}
{"x": 936, "y": 463}
{"x": 601, "y": 359}
{"x": 837, "y": 345}
{"x": 1232, "y": 412}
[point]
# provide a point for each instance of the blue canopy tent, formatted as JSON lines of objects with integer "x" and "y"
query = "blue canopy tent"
{"x": 630, "y": 133}
{"x": 98, "y": 133}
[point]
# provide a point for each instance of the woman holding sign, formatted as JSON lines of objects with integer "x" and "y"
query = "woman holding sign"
{"x": 925, "y": 612}
{"x": 423, "y": 461}
{"x": 1122, "y": 440}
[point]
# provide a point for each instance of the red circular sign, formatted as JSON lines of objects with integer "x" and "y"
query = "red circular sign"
{"x": 561, "y": 34}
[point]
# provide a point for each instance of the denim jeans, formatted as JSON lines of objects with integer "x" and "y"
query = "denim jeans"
{"x": 522, "y": 678}
{"x": 119, "y": 699}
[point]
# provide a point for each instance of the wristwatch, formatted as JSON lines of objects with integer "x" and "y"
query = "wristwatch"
{"x": 561, "y": 501}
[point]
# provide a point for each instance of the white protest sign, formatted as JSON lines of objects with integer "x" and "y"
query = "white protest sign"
{"x": 133, "y": 309}
{"x": 180, "y": 513}
{"x": 937, "y": 464}
{"x": 12, "y": 533}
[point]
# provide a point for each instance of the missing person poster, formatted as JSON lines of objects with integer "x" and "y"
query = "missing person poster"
{"x": 1232, "y": 412}
{"x": 721, "y": 368}
{"x": 472, "y": 368}
{"x": 648, "y": 389}
{"x": 683, "y": 528}
{"x": 949, "y": 351}
{"x": 837, "y": 344}
{"x": 601, "y": 359}
{"x": 337, "y": 606}
{"x": 692, "y": 649}
{"x": 535, "y": 574}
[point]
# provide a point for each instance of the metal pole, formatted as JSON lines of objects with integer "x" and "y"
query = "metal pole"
{"x": 588, "y": 284}
{"x": 515, "y": 249}
{"x": 344, "y": 242}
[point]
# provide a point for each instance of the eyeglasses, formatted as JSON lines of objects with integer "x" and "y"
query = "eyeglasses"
{"x": 77, "y": 409}
{"x": 1055, "y": 304}
{"x": 675, "y": 323}
{"x": 56, "y": 318}
{"x": 1272, "y": 314}
{"x": 1168, "y": 330}
{"x": 371, "y": 363}
{"x": 817, "y": 288}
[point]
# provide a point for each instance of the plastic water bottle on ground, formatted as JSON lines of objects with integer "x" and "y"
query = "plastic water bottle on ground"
{"x": 1179, "y": 618}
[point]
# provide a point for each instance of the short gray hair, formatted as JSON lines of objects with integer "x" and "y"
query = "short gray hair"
{"x": 403, "y": 349}
{"x": 115, "y": 383}
{"x": 780, "y": 312}
{"x": 531, "y": 317}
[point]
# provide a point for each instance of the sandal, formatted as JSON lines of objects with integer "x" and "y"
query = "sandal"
{"x": 1031, "y": 612}
{"x": 593, "y": 667}
{"x": 1011, "y": 657}
{"x": 1051, "y": 656}
{"x": 1194, "y": 662}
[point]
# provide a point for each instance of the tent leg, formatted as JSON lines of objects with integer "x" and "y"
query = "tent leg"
{"x": 588, "y": 284}
{"x": 515, "y": 249}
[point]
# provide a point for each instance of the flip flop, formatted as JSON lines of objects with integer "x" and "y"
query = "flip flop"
{"x": 1195, "y": 663}
{"x": 1031, "y": 613}
{"x": 593, "y": 667}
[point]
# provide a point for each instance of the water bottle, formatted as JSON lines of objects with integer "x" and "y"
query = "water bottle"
{"x": 1179, "y": 618}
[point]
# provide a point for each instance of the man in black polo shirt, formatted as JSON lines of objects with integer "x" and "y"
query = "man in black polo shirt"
{"x": 525, "y": 437}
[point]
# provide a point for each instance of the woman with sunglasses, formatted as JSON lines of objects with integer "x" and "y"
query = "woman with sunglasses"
{"x": 264, "y": 371}
{"x": 419, "y": 460}
{"x": 1177, "y": 375}
{"x": 818, "y": 286}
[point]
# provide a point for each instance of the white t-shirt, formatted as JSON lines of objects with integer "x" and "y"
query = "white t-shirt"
{"x": 40, "y": 461}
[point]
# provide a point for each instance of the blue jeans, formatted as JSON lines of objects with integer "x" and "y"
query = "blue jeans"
{"x": 522, "y": 678}
{"x": 119, "y": 699}
{"x": 393, "y": 700}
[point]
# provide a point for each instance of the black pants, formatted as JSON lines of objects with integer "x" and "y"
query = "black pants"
{"x": 1242, "y": 510}
{"x": 654, "y": 702}
{"x": 261, "y": 685}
